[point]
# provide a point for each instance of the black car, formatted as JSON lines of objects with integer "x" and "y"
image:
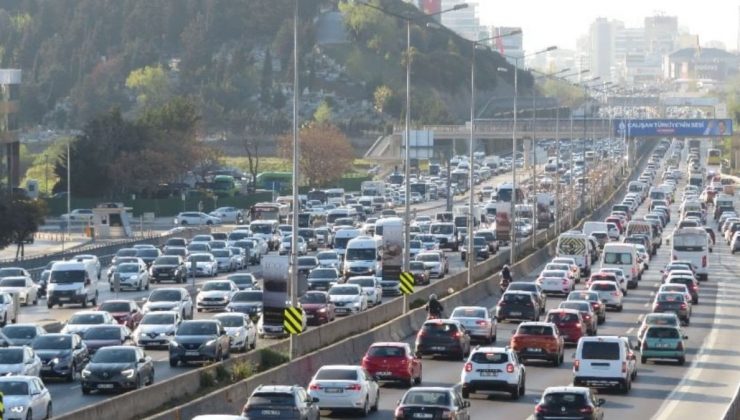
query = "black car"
{"x": 148, "y": 255}
{"x": 323, "y": 278}
{"x": 62, "y": 355}
{"x": 198, "y": 341}
{"x": 281, "y": 402}
{"x": 168, "y": 267}
{"x": 247, "y": 302}
{"x": 244, "y": 281}
{"x": 100, "y": 336}
{"x": 531, "y": 287}
{"x": 117, "y": 368}
{"x": 571, "y": 402}
{"x": 432, "y": 403}
{"x": 443, "y": 337}
{"x": 517, "y": 305}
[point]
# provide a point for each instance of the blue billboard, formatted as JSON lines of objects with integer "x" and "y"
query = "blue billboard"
{"x": 676, "y": 128}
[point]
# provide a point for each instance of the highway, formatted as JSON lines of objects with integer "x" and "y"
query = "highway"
{"x": 704, "y": 387}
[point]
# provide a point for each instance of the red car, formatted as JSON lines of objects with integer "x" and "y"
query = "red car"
{"x": 617, "y": 221}
{"x": 125, "y": 311}
{"x": 317, "y": 307}
{"x": 392, "y": 361}
{"x": 569, "y": 322}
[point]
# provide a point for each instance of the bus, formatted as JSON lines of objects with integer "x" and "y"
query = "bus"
{"x": 275, "y": 181}
{"x": 714, "y": 157}
{"x": 692, "y": 244}
{"x": 269, "y": 211}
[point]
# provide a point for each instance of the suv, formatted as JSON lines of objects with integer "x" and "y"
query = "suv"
{"x": 518, "y": 305}
{"x": 493, "y": 369}
{"x": 539, "y": 340}
{"x": 604, "y": 361}
{"x": 569, "y": 402}
{"x": 281, "y": 401}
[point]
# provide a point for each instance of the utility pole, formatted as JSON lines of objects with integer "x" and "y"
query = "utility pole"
{"x": 293, "y": 283}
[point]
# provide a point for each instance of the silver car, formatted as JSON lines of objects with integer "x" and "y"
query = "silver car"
{"x": 23, "y": 395}
{"x": 477, "y": 321}
{"x": 132, "y": 276}
{"x": 371, "y": 286}
{"x": 156, "y": 329}
{"x": 19, "y": 360}
{"x": 81, "y": 321}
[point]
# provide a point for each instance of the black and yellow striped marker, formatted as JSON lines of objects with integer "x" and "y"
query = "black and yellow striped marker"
{"x": 293, "y": 320}
{"x": 407, "y": 283}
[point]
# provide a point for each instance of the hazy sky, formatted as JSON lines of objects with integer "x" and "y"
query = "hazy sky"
{"x": 548, "y": 22}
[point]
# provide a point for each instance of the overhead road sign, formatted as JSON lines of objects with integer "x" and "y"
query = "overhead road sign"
{"x": 674, "y": 127}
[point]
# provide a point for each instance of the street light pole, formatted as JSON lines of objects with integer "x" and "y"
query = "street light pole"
{"x": 407, "y": 159}
{"x": 512, "y": 216}
{"x": 293, "y": 284}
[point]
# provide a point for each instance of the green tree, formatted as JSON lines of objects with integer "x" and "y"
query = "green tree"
{"x": 20, "y": 219}
{"x": 151, "y": 84}
{"x": 266, "y": 79}
{"x": 323, "y": 113}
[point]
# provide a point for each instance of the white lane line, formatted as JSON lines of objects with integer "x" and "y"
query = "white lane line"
{"x": 646, "y": 304}
{"x": 629, "y": 331}
{"x": 639, "y": 318}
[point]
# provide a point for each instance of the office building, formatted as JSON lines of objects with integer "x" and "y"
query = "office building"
{"x": 601, "y": 47}
{"x": 511, "y": 46}
{"x": 464, "y": 22}
{"x": 10, "y": 84}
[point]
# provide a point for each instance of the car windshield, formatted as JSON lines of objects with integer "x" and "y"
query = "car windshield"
{"x": 344, "y": 291}
{"x": 232, "y": 321}
{"x": 327, "y": 255}
{"x": 620, "y": 258}
{"x": 516, "y": 298}
{"x": 362, "y": 282}
{"x": 221, "y": 253}
{"x": 158, "y": 319}
{"x": 416, "y": 266}
{"x": 114, "y": 355}
{"x": 661, "y": 332}
{"x": 217, "y": 285}
{"x": 127, "y": 268}
{"x": 200, "y": 258}
{"x": 601, "y": 350}
{"x": 468, "y": 313}
{"x": 659, "y": 319}
{"x": 489, "y": 357}
{"x": 565, "y": 400}
{"x": 523, "y": 286}
{"x": 198, "y": 328}
{"x": 13, "y": 388}
{"x": 689, "y": 242}
{"x": 440, "y": 398}
{"x": 146, "y": 252}
{"x": 19, "y": 331}
{"x": 307, "y": 262}
{"x": 54, "y": 342}
{"x": 415, "y": 244}
{"x": 386, "y": 351}
{"x": 336, "y": 375}
{"x": 438, "y": 328}
{"x": 271, "y": 399}
{"x": 13, "y": 283}
{"x": 603, "y": 287}
{"x": 262, "y": 228}
{"x": 323, "y": 273}
{"x": 126, "y": 252}
{"x": 104, "y": 333}
{"x": 243, "y": 279}
{"x": 670, "y": 297}
{"x": 166, "y": 261}
{"x": 313, "y": 298}
{"x": 441, "y": 229}
{"x": 535, "y": 330}
{"x": 360, "y": 254}
{"x": 247, "y": 297}
{"x": 165, "y": 296}
{"x": 428, "y": 257}
{"x": 115, "y": 307}
{"x": 11, "y": 356}
{"x": 86, "y": 319}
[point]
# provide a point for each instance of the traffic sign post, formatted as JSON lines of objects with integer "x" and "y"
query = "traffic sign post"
{"x": 293, "y": 320}
{"x": 407, "y": 283}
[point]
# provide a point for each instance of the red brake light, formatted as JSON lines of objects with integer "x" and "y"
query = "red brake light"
{"x": 576, "y": 365}
{"x": 314, "y": 387}
{"x": 353, "y": 387}
{"x": 540, "y": 409}
{"x": 481, "y": 322}
{"x": 457, "y": 334}
{"x": 468, "y": 367}
{"x": 586, "y": 410}
{"x": 624, "y": 367}
{"x": 703, "y": 260}
{"x": 510, "y": 368}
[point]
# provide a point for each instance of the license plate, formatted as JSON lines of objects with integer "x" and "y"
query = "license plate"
{"x": 334, "y": 390}
{"x": 338, "y": 310}
{"x": 423, "y": 415}
{"x": 105, "y": 386}
{"x": 383, "y": 373}
{"x": 664, "y": 346}
{"x": 270, "y": 412}
{"x": 438, "y": 348}
{"x": 534, "y": 350}
{"x": 192, "y": 353}
{"x": 309, "y": 316}
{"x": 64, "y": 299}
{"x": 488, "y": 374}
{"x": 45, "y": 368}
{"x": 515, "y": 313}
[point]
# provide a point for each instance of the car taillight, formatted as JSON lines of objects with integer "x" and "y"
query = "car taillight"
{"x": 540, "y": 409}
{"x": 399, "y": 412}
{"x": 586, "y": 410}
{"x": 703, "y": 260}
{"x": 624, "y": 367}
{"x": 510, "y": 368}
{"x": 468, "y": 367}
{"x": 679, "y": 346}
{"x": 578, "y": 325}
{"x": 446, "y": 414}
{"x": 684, "y": 306}
{"x": 457, "y": 334}
{"x": 353, "y": 387}
{"x": 314, "y": 387}
{"x": 576, "y": 365}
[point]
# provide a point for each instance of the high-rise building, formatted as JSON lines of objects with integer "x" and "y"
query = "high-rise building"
{"x": 601, "y": 47}
{"x": 661, "y": 33}
{"x": 464, "y": 22}
{"x": 510, "y": 46}
{"x": 10, "y": 84}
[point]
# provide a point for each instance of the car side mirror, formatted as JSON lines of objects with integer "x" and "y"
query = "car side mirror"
{"x": 142, "y": 360}
{"x": 685, "y": 337}
{"x": 466, "y": 404}
{"x": 601, "y": 402}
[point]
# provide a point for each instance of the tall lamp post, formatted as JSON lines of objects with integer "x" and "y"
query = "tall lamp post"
{"x": 583, "y": 141}
{"x": 293, "y": 285}
{"x": 471, "y": 256}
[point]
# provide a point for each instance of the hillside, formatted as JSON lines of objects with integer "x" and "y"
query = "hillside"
{"x": 234, "y": 57}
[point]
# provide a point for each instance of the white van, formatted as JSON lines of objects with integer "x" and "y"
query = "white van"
{"x": 342, "y": 238}
{"x": 604, "y": 361}
{"x": 692, "y": 244}
{"x": 624, "y": 256}
{"x": 73, "y": 282}
{"x": 362, "y": 256}
{"x": 591, "y": 227}
{"x": 577, "y": 246}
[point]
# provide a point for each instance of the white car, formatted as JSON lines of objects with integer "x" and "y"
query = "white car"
{"x": 342, "y": 387}
{"x": 477, "y": 321}
{"x": 285, "y": 245}
{"x": 170, "y": 299}
{"x": 493, "y": 369}
{"x": 8, "y": 310}
{"x": 609, "y": 293}
{"x": 228, "y": 215}
{"x": 24, "y": 287}
{"x": 15, "y": 272}
{"x": 644, "y": 257}
{"x": 156, "y": 328}
{"x": 262, "y": 246}
{"x": 19, "y": 360}
{"x": 675, "y": 287}
{"x": 433, "y": 262}
{"x": 215, "y": 294}
{"x": 347, "y": 299}
{"x": 81, "y": 321}
{"x": 565, "y": 267}
{"x": 196, "y": 218}
{"x": 25, "y": 397}
{"x": 556, "y": 281}
{"x": 574, "y": 268}
{"x": 371, "y": 287}
{"x": 205, "y": 264}
{"x": 78, "y": 215}
{"x": 132, "y": 276}
{"x": 225, "y": 262}
{"x": 240, "y": 329}
{"x": 621, "y": 278}
{"x": 329, "y": 259}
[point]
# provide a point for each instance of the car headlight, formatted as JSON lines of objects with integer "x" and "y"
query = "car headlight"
{"x": 174, "y": 343}
{"x": 356, "y": 303}
{"x": 85, "y": 373}
{"x": 18, "y": 409}
{"x": 238, "y": 334}
{"x": 80, "y": 291}
{"x": 322, "y": 310}
{"x": 54, "y": 361}
{"x": 128, "y": 373}
{"x": 211, "y": 343}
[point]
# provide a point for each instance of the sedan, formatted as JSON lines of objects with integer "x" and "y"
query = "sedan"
{"x": 25, "y": 397}
{"x": 345, "y": 387}
{"x": 101, "y": 336}
{"x": 587, "y": 313}
{"x": 318, "y": 307}
{"x": 21, "y": 360}
{"x": 22, "y": 334}
{"x": 193, "y": 218}
{"x": 371, "y": 287}
{"x": 23, "y": 286}
{"x": 199, "y": 341}
{"x": 421, "y": 402}
{"x": 348, "y": 298}
{"x": 477, "y": 322}
{"x": 228, "y": 215}
{"x": 240, "y": 329}
{"x": 82, "y": 321}
{"x": 117, "y": 368}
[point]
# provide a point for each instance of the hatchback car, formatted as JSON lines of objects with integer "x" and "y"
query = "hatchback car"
{"x": 280, "y": 401}
{"x": 318, "y": 307}
{"x": 19, "y": 360}
{"x": 240, "y": 329}
{"x": 432, "y": 402}
{"x": 609, "y": 293}
{"x": 443, "y": 337}
{"x": 62, "y": 355}
{"x": 674, "y": 302}
{"x": 393, "y": 362}
{"x": 198, "y": 341}
{"x": 518, "y": 306}
{"x": 493, "y": 369}
{"x": 570, "y": 323}
{"x": 25, "y": 397}
{"x": 663, "y": 342}
{"x": 587, "y": 313}
{"x": 569, "y": 402}
{"x": 157, "y": 329}
{"x": 117, "y": 368}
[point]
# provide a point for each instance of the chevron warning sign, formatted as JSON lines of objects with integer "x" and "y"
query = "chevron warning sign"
{"x": 293, "y": 320}
{"x": 407, "y": 283}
